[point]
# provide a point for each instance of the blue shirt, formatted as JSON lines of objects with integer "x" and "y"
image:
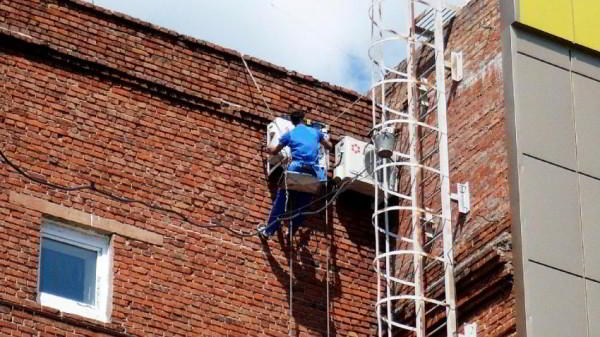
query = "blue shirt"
{"x": 303, "y": 142}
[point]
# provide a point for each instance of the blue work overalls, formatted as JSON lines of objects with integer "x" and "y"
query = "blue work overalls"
{"x": 298, "y": 202}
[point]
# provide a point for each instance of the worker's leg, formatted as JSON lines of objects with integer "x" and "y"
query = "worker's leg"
{"x": 277, "y": 210}
{"x": 300, "y": 201}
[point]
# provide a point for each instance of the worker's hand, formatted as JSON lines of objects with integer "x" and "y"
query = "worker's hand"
{"x": 274, "y": 149}
{"x": 326, "y": 143}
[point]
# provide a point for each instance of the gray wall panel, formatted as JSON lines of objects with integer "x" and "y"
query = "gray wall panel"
{"x": 555, "y": 303}
{"x": 553, "y": 113}
{"x": 545, "y": 113}
{"x": 593, "y": 302}
{"x": 587, "y": 123}
{"x": 586, "y": 64}
{"x": 508, "y": 54}
{"x": 508, "y": 13}
{"x": 543, "y": 49}
{"x": 590, "y": 223}
{"x": 550, "y": 215}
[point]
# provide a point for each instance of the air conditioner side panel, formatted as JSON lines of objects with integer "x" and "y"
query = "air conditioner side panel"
{"x": 357, "y": 158}
{"x": 275, "y": 130}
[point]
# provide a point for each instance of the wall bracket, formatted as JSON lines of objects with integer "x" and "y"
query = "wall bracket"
{"x": 456, "y": 66}
{"x": 463, "y": 197}
{"x": 470, "y": 330}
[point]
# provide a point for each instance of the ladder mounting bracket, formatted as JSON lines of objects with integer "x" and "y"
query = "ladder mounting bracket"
{"x": 470, "y": 330}
{"x": 463, "y": 197}
{"x": 455, "y": 65}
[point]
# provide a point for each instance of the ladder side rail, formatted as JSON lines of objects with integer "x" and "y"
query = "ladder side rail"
{"x": 440, "y": 72}
{"x": 414, "y": 172}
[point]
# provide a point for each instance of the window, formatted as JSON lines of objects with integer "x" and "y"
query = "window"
{"x": 74, "y": 272}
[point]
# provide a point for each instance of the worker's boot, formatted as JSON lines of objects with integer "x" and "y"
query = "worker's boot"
{"x": 260, "y": 230}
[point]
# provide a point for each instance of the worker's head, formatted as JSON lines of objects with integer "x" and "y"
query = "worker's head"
{"x": 297, "y": 117}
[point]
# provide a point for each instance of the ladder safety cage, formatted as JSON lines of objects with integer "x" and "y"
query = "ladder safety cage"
{"x": 413, "y": 231}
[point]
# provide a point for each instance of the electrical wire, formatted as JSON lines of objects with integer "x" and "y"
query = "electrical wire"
{"x": 291, "y": 254}
{"x": 294, "y": 213}
{"x": 93, "y": 188}
{"x": 348, "y": 108}
{"x": 256, "y": 85}
{"x": 330, "y": 237}
{"x": 339, "y": 161}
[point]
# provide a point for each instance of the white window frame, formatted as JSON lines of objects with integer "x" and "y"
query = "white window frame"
{"x": 57, "y": 231}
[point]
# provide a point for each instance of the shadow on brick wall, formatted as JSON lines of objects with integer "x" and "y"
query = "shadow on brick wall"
{"x": 354, "y": 211}
{"x": 309, "y": 283}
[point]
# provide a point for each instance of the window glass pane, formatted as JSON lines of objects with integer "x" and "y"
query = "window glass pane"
{"x": 68, "y": 271}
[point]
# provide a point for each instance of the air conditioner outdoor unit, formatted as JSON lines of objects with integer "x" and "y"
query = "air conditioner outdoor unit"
{"x": 356, "y": 161}
{"x": 275, "y": 130}
{"x": 295, "y": 181}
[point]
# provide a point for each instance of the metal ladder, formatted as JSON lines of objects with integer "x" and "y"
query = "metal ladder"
{"x": 413, "y": 230}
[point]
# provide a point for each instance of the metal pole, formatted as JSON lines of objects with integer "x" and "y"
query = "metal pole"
{"x": 417, "y": 236}
{"x": 374, "y": 76}
{"x": 388, "y": 268}
{"x": 445, "y": 173}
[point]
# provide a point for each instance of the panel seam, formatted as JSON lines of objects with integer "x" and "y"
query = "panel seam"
{"x": 577, "y": 166}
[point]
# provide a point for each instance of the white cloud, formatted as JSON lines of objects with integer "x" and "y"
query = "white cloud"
{"x": 327, "y": 39}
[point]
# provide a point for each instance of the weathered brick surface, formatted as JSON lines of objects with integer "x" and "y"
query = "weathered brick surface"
{"x": 476, "y": 127}
{"x": 477, "y": 152}
{"x": 90, "y": 95}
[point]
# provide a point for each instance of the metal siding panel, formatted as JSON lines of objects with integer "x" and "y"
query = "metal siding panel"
{"x": 593, "y": 306}
{"x": 585, "y": 21}
{"x": 590, "y": 222}
{"x": 555, "y": 303}
{"x": 587, "y": 123}
{"x": 544, "y": 111}
{"x": 586, "y": 64}
{"x": 542, "y": 48}
{"x": 508, "y": 56}
{"x": 550, "y": 215}
{"x": 508, "y": 14}
{"x": 551, "y": 16}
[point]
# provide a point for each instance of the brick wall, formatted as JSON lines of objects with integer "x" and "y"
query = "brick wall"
{"x": 90, "y": 95}
{"x": 478, "y": 155}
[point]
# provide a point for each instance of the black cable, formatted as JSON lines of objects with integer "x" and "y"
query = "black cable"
{"x": 336, "y": 193}
{"x": 92, "y": 187}
{"x": 339, "y": 161}
{"x": 312, "y": 202}
{"x": 41, "y": 181}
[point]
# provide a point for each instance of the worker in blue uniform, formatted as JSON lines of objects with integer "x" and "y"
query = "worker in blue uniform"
{"x": 304, "y": 143}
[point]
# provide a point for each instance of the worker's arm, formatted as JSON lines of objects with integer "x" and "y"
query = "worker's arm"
{"x": 324, "y": 140}
{"x": 274, "y": 149}
{"x": 326, "y": 143}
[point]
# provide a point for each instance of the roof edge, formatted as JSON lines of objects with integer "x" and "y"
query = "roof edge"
{"x": 215, "y": 47}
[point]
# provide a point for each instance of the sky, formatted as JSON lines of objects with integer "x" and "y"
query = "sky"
{"x": 327, "y": 39}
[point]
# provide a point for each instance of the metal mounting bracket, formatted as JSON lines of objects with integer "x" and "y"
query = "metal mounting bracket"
{"x": 463, "y": 197}
{"x": 428, "y": 223}
{"x": 456, "y": 61}
{"x": 470, "y": 330}
{"x": 456, "y": 65}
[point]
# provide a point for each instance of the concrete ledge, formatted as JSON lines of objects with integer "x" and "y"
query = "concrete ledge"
{"x": 85, "y": 220}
